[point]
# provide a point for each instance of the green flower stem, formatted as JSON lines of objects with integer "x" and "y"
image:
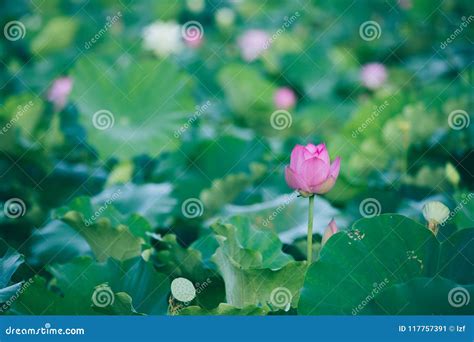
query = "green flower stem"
{"x": 310, "y": 229}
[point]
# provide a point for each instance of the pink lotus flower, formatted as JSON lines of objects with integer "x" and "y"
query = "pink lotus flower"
{"x": 310, "y": 171}
{"x": 331, "y": 229}
{"x": 373, "y": 75}
{"x": 59, "y": 92}
{"x": 252, "y": 44}
{"x": 284, "y": 98}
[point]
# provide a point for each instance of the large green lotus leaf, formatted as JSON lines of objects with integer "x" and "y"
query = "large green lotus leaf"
{"x": 423, "y": 296}
{"x": 223, "y": 310}
{"x": 9, "y": 263}
{"x": 56, "y": 242}
{"x": 108, "y": 232}
{"x": 173, "y": 259}
{"x": 250, "y": 247}
{"x": 464, "y": 211}
{"x": 142, "y": 123}
{"x": 78, "y": 280}
{"x": 376, "y": 253}
{"x": 254, "y": 268}
{"x": 105, "y": 239}
{"x": 122, "y": 306}
{"x": 37, "y": 299}
{"x": 457, "y": 257}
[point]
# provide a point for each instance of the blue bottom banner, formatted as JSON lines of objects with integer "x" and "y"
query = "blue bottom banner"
{"x": 233, "y": 328}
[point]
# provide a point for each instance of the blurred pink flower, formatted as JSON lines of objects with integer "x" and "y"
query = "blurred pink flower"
{"x": 310, "y": 170}
{"x": 284, "y": 98}
{"x": 373, "y": 75}
{"x": 331, "y": 229}
{"x": 59, "y": 92}
{"x": 252, "y": 43}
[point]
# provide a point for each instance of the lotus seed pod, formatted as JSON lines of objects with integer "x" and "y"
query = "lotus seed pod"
{"x": 183, "y": 290}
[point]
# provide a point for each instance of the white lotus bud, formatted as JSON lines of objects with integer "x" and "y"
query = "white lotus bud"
{"x": 163, "y": 38}
{"x": 435, "y": 213}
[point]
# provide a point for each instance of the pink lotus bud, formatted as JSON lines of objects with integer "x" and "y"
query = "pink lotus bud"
{"x": 310, "y": 170}
{"x": 252, "y": 43}
{"x": 373, "y": 75}
{"x": 331, "y": 229}
{"x": 284, "y": 98}
{"x": 59, "y": 92}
